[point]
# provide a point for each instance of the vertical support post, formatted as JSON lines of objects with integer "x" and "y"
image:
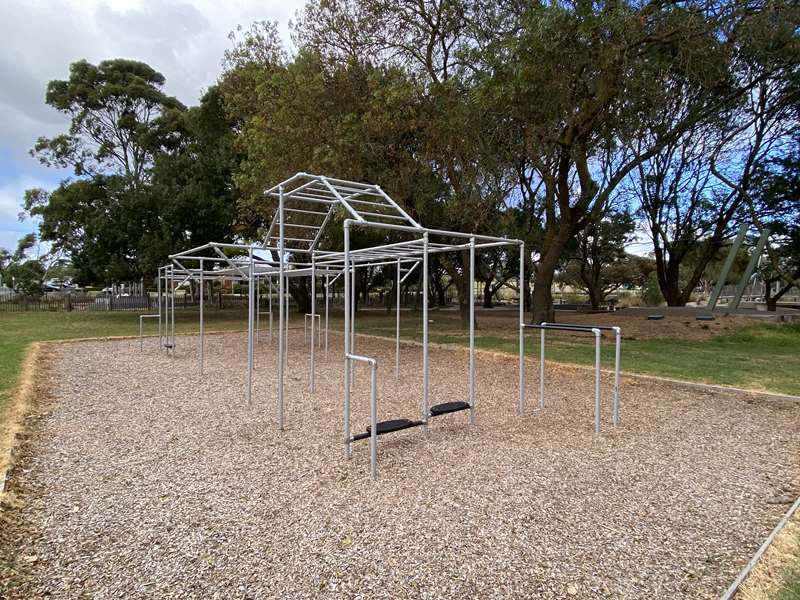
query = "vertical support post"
{"x": 141, "y": 340}
{"x": 281, "y": 316}
{"x": 258, "y": 307}
{"x": 346, "y": 339}
{"x": 397, "y": 325}
{"x": 596, "y": 380}
{"x": 751, "y": 265}
{"x": 425, "y": 330}
{"x": 286, "y": 325}
{"x": 617, "y": 344}
{"x": 521, "y": 408}
{"x": 251, "y": 295}
{"x": 726, "y": 267}
{"x": 373, "y": 420}
{"x": 202, "y": 324}
{"x": 472, "y": 331}
{"x": 327, "y": 309}
{"x": 172, "y": 307}
{"x": 541, "y": 368}
{"x": 313, "y": 317}
{"x": 160, "y": 303}
{"x": 270, "y": 286}
{"x": 352, "y": 331}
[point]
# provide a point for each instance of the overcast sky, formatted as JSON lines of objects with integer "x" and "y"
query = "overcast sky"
{"x": 184, "y": 40}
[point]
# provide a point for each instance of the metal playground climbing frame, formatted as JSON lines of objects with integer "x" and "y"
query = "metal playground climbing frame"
{"x": 307, "y": 205}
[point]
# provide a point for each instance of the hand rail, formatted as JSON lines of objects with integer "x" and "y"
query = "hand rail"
{"x": 597, "y": 331}
{"x": 373, "y": 410}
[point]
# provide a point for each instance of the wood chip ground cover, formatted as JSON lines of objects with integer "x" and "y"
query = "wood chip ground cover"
{"x": 143, "y": 480}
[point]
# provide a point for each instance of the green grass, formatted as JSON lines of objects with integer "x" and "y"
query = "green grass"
{"x": 17, "y": 330}
{"x": 763, "y": 356}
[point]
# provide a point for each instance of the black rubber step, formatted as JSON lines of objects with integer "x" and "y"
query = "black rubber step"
{"x": 448, "y": 407}
{"x": 654, "y": 317}
{"x": 705, "y": 317}
{"x": 388, "y": 427}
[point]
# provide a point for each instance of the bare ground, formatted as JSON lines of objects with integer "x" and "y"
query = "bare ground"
{"x": 143, "y": 480}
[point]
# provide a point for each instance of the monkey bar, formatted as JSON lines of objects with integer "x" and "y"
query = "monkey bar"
{"x": 307, "y": 208}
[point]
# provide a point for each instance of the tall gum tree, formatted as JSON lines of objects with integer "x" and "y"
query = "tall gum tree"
{"x": 580, "y": 81}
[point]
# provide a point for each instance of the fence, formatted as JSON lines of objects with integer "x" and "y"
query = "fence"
{"x": 84, "y": 302}
{"x": 61, "y": 302}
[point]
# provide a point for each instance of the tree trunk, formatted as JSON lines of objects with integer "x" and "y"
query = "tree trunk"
{"x": 595, "y": 297}
{"x": 487, "y": 294}
{"x": 543, "y": 290}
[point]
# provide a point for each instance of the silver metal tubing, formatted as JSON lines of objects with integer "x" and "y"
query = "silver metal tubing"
{"x": 472, "y": 331}
{"x": 271, "y": 289}
{"x": 597, "y": 332}
{"x": 373, "y": 408}
{"x": 314, "y": 315}
{"x": 172, "y": 307}
{"x": 327, "y": 310}
{"x": 160, "y": 302}
{"x": 596, "y": 380}
{"x": 353, "y": 300}
{"x": 141, "y": 338}
{"x": 373, "y": 420}
{"x": 251, "y": 295}
{"x": 409, "y": 272}
{"x": 441, "y": 232}
{"x": 347, "y": 442}
{"x": 617, "y": 344}
{"x": 281, "y": 315}
{"x": 521, "y": 407}
{"x": 202, "y": 323}
{"x": 617, "y": 352}
{"x": 397, "y": 325}
{"x": 425, "y": 333}
{"x": 541, "y": 369}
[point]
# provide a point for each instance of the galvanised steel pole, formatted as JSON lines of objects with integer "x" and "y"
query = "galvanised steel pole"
{"x": 397, "y": 326}
{"x": 425, "y": 331}
{"x": 327, "y": 309}
{"x": 617, "y": 340}
{"x": 251, "y": 294}
{"x": 373, "y": 418}
{"x": 472, "y": 331}
{"x": 313, "y": 316}
{"x": 172, "y": 288}
{"x": 346, "y": 339}
{"x": 281, "y": 316}
{"x": 271, "y": 289}
{"x": 541, "y": 369}
{"x": 352, "y": 331}
{"x": 521, "y": 325}
{"x": 202, "y": 325}
{"x": 596, "y": 380}
{"x": 160, "y": 304}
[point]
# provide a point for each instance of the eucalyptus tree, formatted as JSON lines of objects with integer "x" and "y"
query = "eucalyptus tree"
{"x": 150, "y": 177}
{"x": 430, "y": 42}
{"x": 581, "y": 82}
{"x": 113, "y": 107}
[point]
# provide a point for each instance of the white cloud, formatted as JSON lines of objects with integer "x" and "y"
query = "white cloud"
{"x": 183, "y": 39}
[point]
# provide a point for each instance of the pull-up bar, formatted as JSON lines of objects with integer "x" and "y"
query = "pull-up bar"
{"x": 597, "y": 332}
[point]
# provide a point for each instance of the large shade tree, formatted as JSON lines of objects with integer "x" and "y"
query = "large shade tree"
{"x": 150, "y": 176}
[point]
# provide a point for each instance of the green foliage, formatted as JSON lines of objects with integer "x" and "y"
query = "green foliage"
{"x": 153, "y": 178}
{"x": 651, "y": 292}
{"x": 600, "y": 265}
{"x": 113, "y": 107}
